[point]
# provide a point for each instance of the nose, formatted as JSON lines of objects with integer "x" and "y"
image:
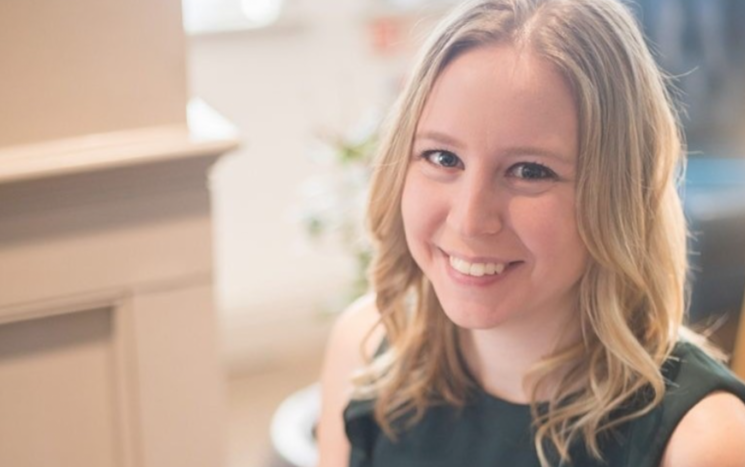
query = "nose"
{"x": 478, "y": 208}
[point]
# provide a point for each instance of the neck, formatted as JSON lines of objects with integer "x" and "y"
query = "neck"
{"x": 500, "y": 358}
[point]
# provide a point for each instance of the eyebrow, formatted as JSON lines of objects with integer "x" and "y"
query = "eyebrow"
{"x": 515, "y": 151}
{"x": 438, "y": 137}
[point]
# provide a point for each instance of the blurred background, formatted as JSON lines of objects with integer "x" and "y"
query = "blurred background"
{"x": 181, "y": 195}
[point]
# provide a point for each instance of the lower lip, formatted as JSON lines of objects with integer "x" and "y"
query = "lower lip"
{"x": 483, "y": 281}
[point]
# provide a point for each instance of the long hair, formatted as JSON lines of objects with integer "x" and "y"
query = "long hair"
{"x": 629, "y": 216}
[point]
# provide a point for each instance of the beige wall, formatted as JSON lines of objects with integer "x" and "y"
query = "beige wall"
{"x": 67, "y": 69}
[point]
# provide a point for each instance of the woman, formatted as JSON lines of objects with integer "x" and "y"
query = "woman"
{"x": 530, "y": 267}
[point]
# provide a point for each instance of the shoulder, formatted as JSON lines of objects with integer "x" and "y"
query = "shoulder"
{"x": 344, "y": 355}
{"x": 706, "y": 410}
{"x": 711, "y": 433}
{"x": 351, "y": 329}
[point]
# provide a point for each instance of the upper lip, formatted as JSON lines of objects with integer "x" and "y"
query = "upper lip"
{"x": 476, "y": 259}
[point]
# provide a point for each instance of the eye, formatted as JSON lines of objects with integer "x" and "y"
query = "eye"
{"x": 532, "y": 171}
{"x": 441, "y": 158}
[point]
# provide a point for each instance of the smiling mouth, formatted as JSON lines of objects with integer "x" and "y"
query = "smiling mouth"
{"x": 477, "y": 269}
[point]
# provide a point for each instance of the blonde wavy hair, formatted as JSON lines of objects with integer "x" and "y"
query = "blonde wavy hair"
{"x": 632, "y": 295}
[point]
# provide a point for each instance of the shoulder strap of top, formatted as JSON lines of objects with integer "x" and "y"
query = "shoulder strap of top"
{"x": 362, "y": 431}
{"x": 360, "y": 425}
{"x": 691, "y": 375}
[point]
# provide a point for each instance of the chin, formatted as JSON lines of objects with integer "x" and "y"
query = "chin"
{"x": 475, "y": 316}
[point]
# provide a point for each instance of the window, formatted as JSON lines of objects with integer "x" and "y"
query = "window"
{"x": 208, "y": 16}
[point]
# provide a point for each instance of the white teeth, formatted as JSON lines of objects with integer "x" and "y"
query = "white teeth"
{"x": 476, "y": 269}
{"x": 460, "y": 265}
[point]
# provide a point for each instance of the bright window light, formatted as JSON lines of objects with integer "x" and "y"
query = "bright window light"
{"x": 208, "y": 16}
{"x": 261, "y": 12}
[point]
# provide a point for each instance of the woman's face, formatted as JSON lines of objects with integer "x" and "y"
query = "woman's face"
{"x": 489, "y": 199}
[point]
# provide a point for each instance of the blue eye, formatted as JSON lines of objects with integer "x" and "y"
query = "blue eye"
{"x": 443, "y": 159}
{"x": 532, "y": 171}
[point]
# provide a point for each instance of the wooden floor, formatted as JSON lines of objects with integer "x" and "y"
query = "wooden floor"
{"x": 253, "y": 398}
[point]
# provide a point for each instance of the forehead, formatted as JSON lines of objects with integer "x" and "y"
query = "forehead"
{"x": 499, "y": 97}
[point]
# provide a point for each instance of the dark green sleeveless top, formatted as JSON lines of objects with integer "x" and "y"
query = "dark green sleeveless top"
{"x": 492, "y": 432}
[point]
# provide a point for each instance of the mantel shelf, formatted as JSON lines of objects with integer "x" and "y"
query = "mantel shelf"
{"x": 206, "y": 133}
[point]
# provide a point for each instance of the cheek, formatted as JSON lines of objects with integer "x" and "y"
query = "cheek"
{"x": 419, "y": 206}
{"x": 411, "y": 215}
{"x": 408, "y": 207}
{"x": 548, "y": 229}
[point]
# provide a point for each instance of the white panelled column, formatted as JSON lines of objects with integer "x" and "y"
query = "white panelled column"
{"x": 108, "y": 333}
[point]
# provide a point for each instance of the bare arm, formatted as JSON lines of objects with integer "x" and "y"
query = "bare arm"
{"x": 343, "y": 357}
{"x": 712, "y": 433}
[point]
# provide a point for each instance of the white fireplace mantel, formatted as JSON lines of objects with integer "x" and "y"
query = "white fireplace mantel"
{"x": 205, "y": 133}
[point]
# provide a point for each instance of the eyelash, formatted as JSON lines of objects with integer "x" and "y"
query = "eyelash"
{"x": 547, "y": 173}
{"x": 427, "y": 156}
